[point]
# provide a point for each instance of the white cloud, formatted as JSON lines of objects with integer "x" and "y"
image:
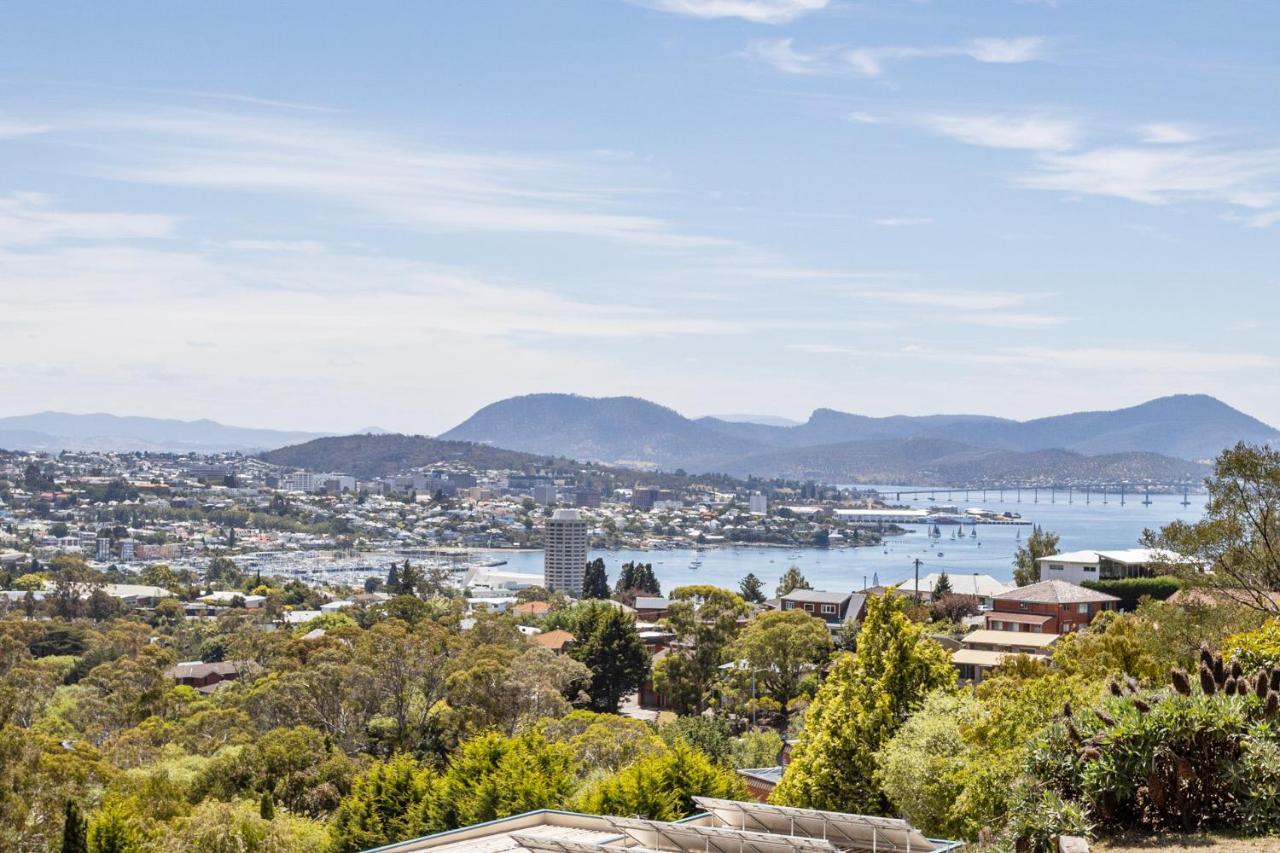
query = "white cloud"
{"x": 10, "y": 128}
{"x": 1245, "y": 178}
{"x": 974, "y": 300}
{"x": 1029, "y": 132}
{"x": 416, "y": 186}
{"x": 866, "y": 118}
{"x": 333, "y": 290}
{"x": 871, "y": 61}
{"x": 756, "y": 11}
{"x": 305, "y": 246}
{"x": 1006, "y": 50}
{"x": 1002, "y": 320}
{"x": 1111, "y": 360}
{"x": 31, "y": 218}
{"x": 781, "y": 55}
{"x": 1166, "y": 133}
{"x": 903, "y": 221}
{"x": 822, "y": 349}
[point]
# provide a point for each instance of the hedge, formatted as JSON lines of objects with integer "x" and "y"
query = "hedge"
{"x": 1129, "y": 590}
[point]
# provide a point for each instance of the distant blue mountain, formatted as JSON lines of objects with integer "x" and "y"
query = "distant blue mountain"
{"x": 54, "y": 431}
{"x": 628, "y": 430}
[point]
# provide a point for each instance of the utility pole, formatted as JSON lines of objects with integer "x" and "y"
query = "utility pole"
{"x": 917, "y": 580}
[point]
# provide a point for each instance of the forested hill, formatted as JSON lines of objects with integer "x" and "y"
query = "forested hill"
{"x": 1160, "y": 440}
{"x": 368, "y": 456}
{"x": 927, "y": 461}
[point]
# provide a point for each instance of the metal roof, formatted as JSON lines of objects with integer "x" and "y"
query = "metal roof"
{"x": 841, "y": 831}
{"x": 694, "y": 838}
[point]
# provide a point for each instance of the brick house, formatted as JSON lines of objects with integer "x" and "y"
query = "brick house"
{"x": 1049, "y": 607}
{"x": 834, "y": 608}
{"x": 208, "y": 677}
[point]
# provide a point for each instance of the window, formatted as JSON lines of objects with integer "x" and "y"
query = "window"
{"x": 1083, "y": 608}
{"x": 1055, "y": 567}
{"x": 808, "y": 606}
{"x": 1091, "y": 568}
{"x": 829, "y": 608}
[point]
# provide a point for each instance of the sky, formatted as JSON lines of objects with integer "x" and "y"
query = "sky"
{"x": 331, "y": 215}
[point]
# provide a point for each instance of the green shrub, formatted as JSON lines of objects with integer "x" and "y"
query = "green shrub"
{"x": 1132, "y": 590}
{"x": 1255, "y": 649}
{"x": 1185, "y": 759}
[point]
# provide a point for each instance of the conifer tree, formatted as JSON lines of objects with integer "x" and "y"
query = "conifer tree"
{"x": 867, "y": 696}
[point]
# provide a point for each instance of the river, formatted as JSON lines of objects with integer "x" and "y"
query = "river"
{"x": 1081, "y": 526}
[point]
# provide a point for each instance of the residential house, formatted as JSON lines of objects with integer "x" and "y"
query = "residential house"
{"x": 983, "y": 650}
{"x": 208, "y": 677}
{"x": 558, "y": 641}
{"x": 1079, "y": 566}
{"x": 1048, "y": 607}
{"x": 834, "y": 608}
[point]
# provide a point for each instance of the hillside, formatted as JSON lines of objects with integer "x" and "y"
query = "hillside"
{"x": 630, "y": 431}
{"x": 930, "y": 461}
{"x": 54, "y": 431}
{"x": 617, "y": 430}
{"x": 378, "y": 455}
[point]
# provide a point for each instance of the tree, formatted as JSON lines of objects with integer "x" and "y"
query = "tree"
{"x": 608, "y": 645}
{"x": 791, "y": 580}
{"x": 636, "y": 579}
{"x": 491, "y": 776}
{"x": 866, "y": 698}
{"x": 942, "y": 586}
{"x": 1041, "y": 543}
{"x": 595, "y": 580}
{"x": 952, "y": 608}
{"x": 1238, "y": 538}
{"x": 781, "y": 651}
{"x": 704, "y": 619}
{"x": 752, "y": 589}
{"x": 75, "y": 831}
{"x": 388, "y": 802}
{"x": 662, "y": 787}
{"x": 114, "y": 830}
{"x": 266, "y": 806}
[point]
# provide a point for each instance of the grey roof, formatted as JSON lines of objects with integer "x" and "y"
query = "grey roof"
{"x": 651, "y": 603}
{"x": 1055, "y": 592}
{"x": 816, "y": 596}
{"x": 771, "y": 775}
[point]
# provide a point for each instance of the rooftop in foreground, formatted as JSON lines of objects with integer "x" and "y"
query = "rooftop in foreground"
{"x": 725, "y": 826}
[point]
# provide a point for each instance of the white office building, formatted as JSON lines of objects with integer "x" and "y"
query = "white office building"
{"x": 759, "y": 504}
{"x": 565, "y": 555}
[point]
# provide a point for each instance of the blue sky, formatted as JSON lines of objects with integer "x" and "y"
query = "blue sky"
{"x": 330, "y": 215}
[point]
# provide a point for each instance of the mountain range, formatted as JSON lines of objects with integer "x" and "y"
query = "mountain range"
{"x": 1166, "y": 439}
{"x": 55, "y": 431}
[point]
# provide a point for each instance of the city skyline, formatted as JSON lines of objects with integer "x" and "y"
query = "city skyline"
{"x": 396, "y": 215}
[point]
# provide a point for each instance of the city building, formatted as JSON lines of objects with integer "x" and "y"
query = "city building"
{"x": 1048, "y": 607}
{"x": 758, "y": 504}
{"x": 565, "y": 552}
{"x": 544, "y": 495}
{"x": 644, "y": 497}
